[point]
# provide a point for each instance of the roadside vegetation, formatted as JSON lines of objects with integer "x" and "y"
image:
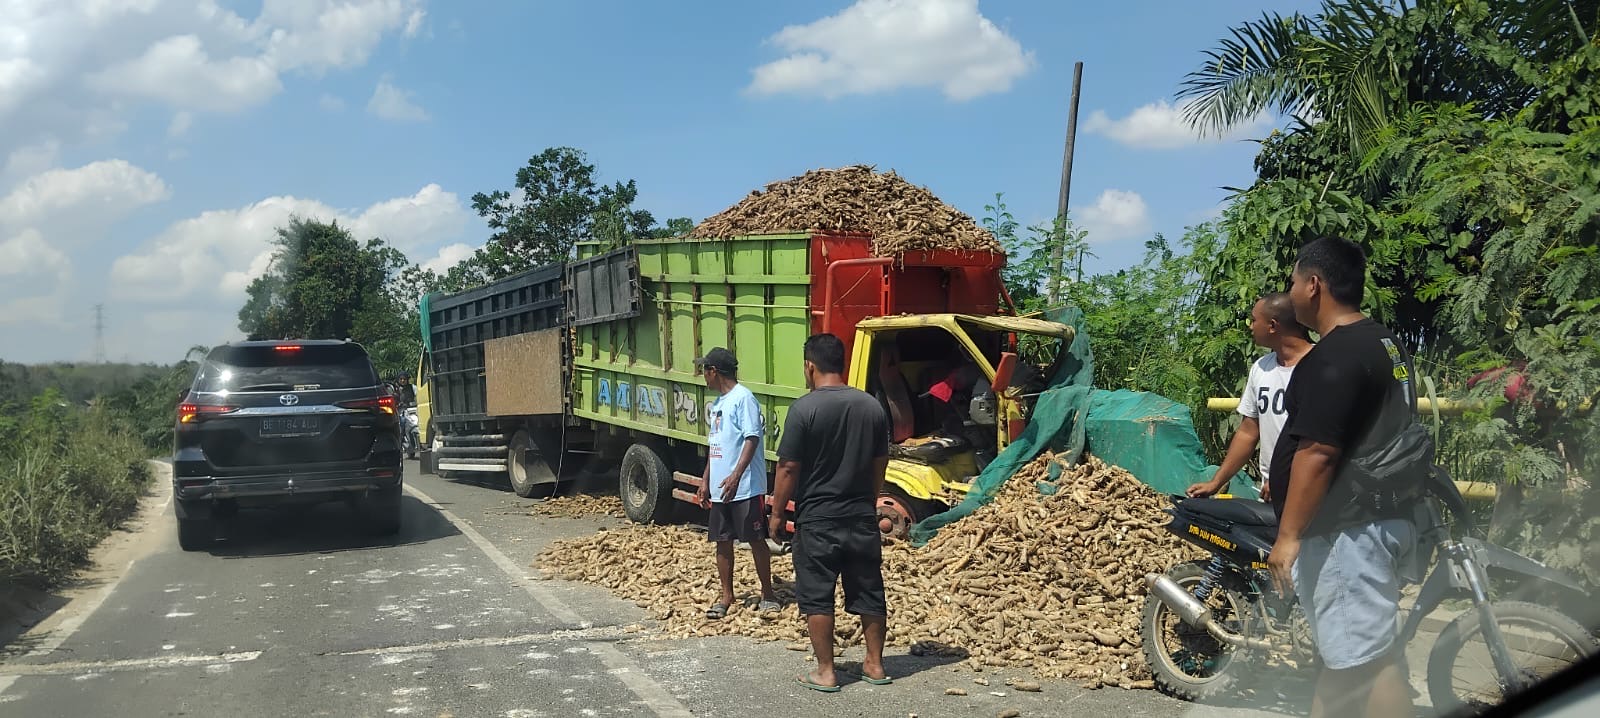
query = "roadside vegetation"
{"x": 69, "y": 474}
{"x": 74, "y": 445}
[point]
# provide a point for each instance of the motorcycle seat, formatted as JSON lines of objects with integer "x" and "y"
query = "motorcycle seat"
{"x": 1243, "y": 512}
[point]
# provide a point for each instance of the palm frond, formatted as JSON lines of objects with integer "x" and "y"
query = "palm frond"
{"x": 1253, "y": 70}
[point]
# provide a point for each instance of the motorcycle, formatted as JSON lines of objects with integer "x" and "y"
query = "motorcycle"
{"x": 408, "y": 431}
{"x": 1206, "y": 623}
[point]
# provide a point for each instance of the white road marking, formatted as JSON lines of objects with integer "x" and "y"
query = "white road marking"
{"x": 67, "y": 667}
{"x": 656, "y": 698}
{"x": 587, "y": 634}
{"x": 81, "y": 613}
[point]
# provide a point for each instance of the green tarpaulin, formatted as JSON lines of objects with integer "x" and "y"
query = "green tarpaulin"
{"x": 1149, "y": 435}
{"x": 427, "y": 326}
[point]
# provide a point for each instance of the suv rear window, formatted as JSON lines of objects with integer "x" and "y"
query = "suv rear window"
{"x": 267, "y": 368}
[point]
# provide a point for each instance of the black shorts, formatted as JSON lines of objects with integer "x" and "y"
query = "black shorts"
{"x": 742, "y": 520}
{"x": 846, "y": 550}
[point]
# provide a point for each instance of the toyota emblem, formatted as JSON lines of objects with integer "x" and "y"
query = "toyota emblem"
{"x": 288, "y": 400}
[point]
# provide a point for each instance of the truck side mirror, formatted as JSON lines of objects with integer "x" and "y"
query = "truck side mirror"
{"x": 1004, "y": 372}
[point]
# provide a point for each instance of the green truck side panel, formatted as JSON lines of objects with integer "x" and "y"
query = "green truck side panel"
{"x": 748, "y": 294}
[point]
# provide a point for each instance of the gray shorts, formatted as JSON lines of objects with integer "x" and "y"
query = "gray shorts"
{"x": 1349, "y": 585}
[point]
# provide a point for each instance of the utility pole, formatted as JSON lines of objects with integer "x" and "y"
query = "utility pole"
{"x": 1057, "y": 272}
{"x": 99, "y": 333}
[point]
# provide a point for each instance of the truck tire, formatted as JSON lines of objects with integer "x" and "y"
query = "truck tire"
{"x": 196, "y": 534}
{"x": 435, "y": 443}
{"x": 645, "y": 485}
{"x": 527, "y": 474}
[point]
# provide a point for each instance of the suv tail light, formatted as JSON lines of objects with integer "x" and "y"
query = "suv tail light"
{"x": 377, "y": 404}
{"x": 191, "y": 413}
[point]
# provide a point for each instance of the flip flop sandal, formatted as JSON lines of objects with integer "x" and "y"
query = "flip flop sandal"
{"x": 806, "y": 681}
{"x": 864, "y": 678}
{"x": 768, "y": 606}
{"x": 717, "y": 612}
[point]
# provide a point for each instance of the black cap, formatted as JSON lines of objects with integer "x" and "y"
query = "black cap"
{"x": 720, "y": 359}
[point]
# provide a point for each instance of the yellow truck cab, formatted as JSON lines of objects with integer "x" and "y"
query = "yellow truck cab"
{"x": 957, "y": 392}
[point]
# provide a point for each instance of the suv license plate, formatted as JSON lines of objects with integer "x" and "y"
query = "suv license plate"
{"x": 287, "y": 426}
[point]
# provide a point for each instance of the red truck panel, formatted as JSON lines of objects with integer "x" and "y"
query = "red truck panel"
{"x": 916, "y": 282}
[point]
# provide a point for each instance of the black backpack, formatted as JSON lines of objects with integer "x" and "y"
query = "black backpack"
{"x": 1388, "y": 471}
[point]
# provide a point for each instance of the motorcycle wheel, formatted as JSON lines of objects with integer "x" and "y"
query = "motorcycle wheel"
{"x": 1187, "y": 662}
{"x": 1541, "y": 641}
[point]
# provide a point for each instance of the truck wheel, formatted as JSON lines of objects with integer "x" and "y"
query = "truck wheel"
{"x": 435, "y": 444}
{"x": 196, "y": 534}
{"x": 527, "y": 473}
{"x": 897, "y": 512}
{"x": 645, "y": 486}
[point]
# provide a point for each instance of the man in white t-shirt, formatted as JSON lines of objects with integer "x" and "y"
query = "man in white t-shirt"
{"x": 734, "y": 486}
{"x": 1272, "y": 325}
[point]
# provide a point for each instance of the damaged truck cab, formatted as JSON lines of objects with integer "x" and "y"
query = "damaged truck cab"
{"x": 956, "y": 391}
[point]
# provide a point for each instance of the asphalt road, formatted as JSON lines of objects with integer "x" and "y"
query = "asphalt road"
{"x": 299, "y": 614}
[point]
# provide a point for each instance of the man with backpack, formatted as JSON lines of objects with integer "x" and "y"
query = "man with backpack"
{"x": 1344, "y": 483}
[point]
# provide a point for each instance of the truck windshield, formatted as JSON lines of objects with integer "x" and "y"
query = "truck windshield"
{"x": 267, "y": 368}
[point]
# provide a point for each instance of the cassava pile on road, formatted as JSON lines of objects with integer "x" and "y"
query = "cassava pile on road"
{"x": 1048, "y": 583}
{"x": 579, "y": 506}
{"x": 901, "y": 216}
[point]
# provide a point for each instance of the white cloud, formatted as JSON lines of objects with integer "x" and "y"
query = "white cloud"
{"x": 1115, "y": 215}
{"x": 33, "y": 280}
{"x": 324, "y": 34}
{"x": 99, "y": 192}
{"x": 392, "y": 103}
{"x": 882, "y": 45}
{"x": 19, "y": 76}
{"x": 449, "y": 256}
{"x": 42, "y": 219}
{"x": 1160, "y": 125}
{"x": 414, "y": 23}
{"x": 213, "y": 257}
{"x": 330, "y": 103}
{"x": 179, "y": 71}
{"x": 27, "y": 161}
{"x": 78, "y": 67}
{"x": 414, "y": 223}
{"x": 181, "y": 123}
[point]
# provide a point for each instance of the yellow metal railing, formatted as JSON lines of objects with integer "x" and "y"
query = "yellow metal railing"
{"x": 1424, "y": 405}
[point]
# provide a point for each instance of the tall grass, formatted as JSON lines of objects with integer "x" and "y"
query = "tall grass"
{"x": 68, "y": 476}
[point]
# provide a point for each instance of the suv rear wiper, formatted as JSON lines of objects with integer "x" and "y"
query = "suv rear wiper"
{"x": 280, "y": 386}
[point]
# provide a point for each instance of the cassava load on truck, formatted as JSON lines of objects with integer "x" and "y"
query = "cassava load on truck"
{"x": 594, "y": 357}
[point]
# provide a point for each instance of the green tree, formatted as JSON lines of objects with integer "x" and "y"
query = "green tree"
{"x": 676, "y": 227}
{"x": 1028, "y": 271}
{"x": 1359, "y": 64}
{"x": 556, "y": 203}
{"x": 325, "y": 284}
{"x": 1458, "y": 144}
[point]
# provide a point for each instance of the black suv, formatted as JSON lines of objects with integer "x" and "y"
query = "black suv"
{"x": 272, "y": 423}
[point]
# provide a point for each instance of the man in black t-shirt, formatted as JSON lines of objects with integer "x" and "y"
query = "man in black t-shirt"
{"x": 831, "y": 461}
{"x": 1341, "y": 559}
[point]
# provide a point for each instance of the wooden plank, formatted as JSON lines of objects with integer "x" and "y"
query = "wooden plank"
{"x": 522, "y": 373}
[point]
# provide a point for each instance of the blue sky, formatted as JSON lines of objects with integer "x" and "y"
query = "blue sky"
{"x": 149, "y": 147}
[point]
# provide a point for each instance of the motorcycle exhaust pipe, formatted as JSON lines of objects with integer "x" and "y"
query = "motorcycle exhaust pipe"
{"x": 1194, "y": 613}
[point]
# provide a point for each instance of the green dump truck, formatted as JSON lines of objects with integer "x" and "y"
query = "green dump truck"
{"x": 592, "y": 360}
